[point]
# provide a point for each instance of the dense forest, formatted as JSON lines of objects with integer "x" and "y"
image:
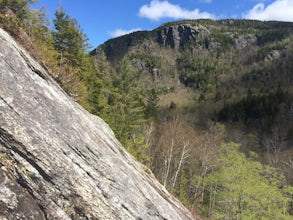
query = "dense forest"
{"x": 210, "y": 114}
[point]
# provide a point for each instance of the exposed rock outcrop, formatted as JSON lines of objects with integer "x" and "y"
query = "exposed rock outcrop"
{"x": 245, "y": 41}
{"x": 178, "y": 36}
{"x": 60, "y": 162}
{"x": 117, "y": 47}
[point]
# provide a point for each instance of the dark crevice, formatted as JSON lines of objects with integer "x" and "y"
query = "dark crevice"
{"x": 39, "y": 73}
{"x": 80, "y": 211}
{"x": 9, "y": 105}
{"x": 28, "y": 63}
{"x": 11, "y": 67}
{"x": 77, "y": 151}
{"x": 42, "y": 208}
{"x": 30, "y": 158}
{"x": 92, "y": 152}
{"x": 105, "y": 195}
{"x": 21, "y": 181}
{"x": 24, "y": 184}
{"x": 127, "y": 209}
{"x": 10, "y": 143}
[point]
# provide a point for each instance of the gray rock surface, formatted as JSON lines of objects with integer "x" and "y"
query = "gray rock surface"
{"x": 245, "y": 41}
{"x": 178, "y": 36}
{"x": 60, "y": 162}
{"x": 15, "y": 202}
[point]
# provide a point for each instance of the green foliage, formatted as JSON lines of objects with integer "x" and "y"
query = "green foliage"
{"x": 125, "y": 111}
{"x": 240, "y": 188}
{"x": 127, "y": 76}
{"x": 151, "y": 105}
{"x": 151, "y": 61}
{"x": 271, "y": 36}
{"x": 262, "y": 106}
{"x": 224, "y": 39}
{"x": 69, "y": 39}
{"x": 15, "y": 15}
{"x": 183, "y": 187}
{"x": 39, "y": 24}
{"x": 116, "y": 48}
{"x": 19, "y": 7}
{"x": 94, "y": 99}
{"x": 198, "y": 72}
{"x": 191, "y": 22}
{"x": 216, "y": 70}
{"x": 264, "y": 52}
{"x": 77, "y": 71}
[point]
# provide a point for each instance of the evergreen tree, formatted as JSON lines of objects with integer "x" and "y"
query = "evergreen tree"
{"x": 104, "y": 73}
{"x": 152, "y": 100}
{"x": 95, "y": 99}
{"x": 127, "y": 110}
{"x": 77, "y": 72}
{"x": 70, "y": 41}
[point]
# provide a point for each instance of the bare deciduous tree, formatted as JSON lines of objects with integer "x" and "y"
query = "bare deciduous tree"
{"x": 184, "y": 156}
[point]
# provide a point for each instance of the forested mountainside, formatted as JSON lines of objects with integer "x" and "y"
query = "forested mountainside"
{"x": 203, "y": 83}
{"x": 206, "y": 105}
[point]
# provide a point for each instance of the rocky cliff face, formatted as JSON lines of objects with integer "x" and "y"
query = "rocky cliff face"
{"x": 60, "y": 162}
{"x": 179, "y": 36}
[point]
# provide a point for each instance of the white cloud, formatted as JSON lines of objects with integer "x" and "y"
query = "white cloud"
{"x": 157, "y": 10}
{"x": 120, "y": 32}
{"x": 279, "y": 10}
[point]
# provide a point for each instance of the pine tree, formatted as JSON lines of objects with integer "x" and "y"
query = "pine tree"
{"x": 96, "y": 100}
{"x": 107, "y": 91}
{"x": 77, "y": 73}
{"x": 70, "y": 41}
{"x": 126, "y": 110}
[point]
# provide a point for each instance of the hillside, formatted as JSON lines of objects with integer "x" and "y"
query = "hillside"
{"x": 204, "y": 83}
{"x": 226, "y": 64}
{"x": 161, "y": 50}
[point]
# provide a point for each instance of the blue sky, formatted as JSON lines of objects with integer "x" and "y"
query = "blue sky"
{"x": 102, "y": 20}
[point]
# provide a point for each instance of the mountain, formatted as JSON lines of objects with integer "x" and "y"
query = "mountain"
{"x": 60, "y": 162}
{"x": 158, "y": 52}
{"x": 219, "y": 62}
{"x": 204, "y": 83}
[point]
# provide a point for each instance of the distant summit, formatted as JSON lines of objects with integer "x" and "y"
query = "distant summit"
{"x": 169, "y": 42}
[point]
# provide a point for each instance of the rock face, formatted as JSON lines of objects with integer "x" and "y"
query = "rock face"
{"x": 117, "y": 47}
{"x": 178, "y": 36}
{"x": 60, "y": 162}
{"x": 245, "y": 41}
